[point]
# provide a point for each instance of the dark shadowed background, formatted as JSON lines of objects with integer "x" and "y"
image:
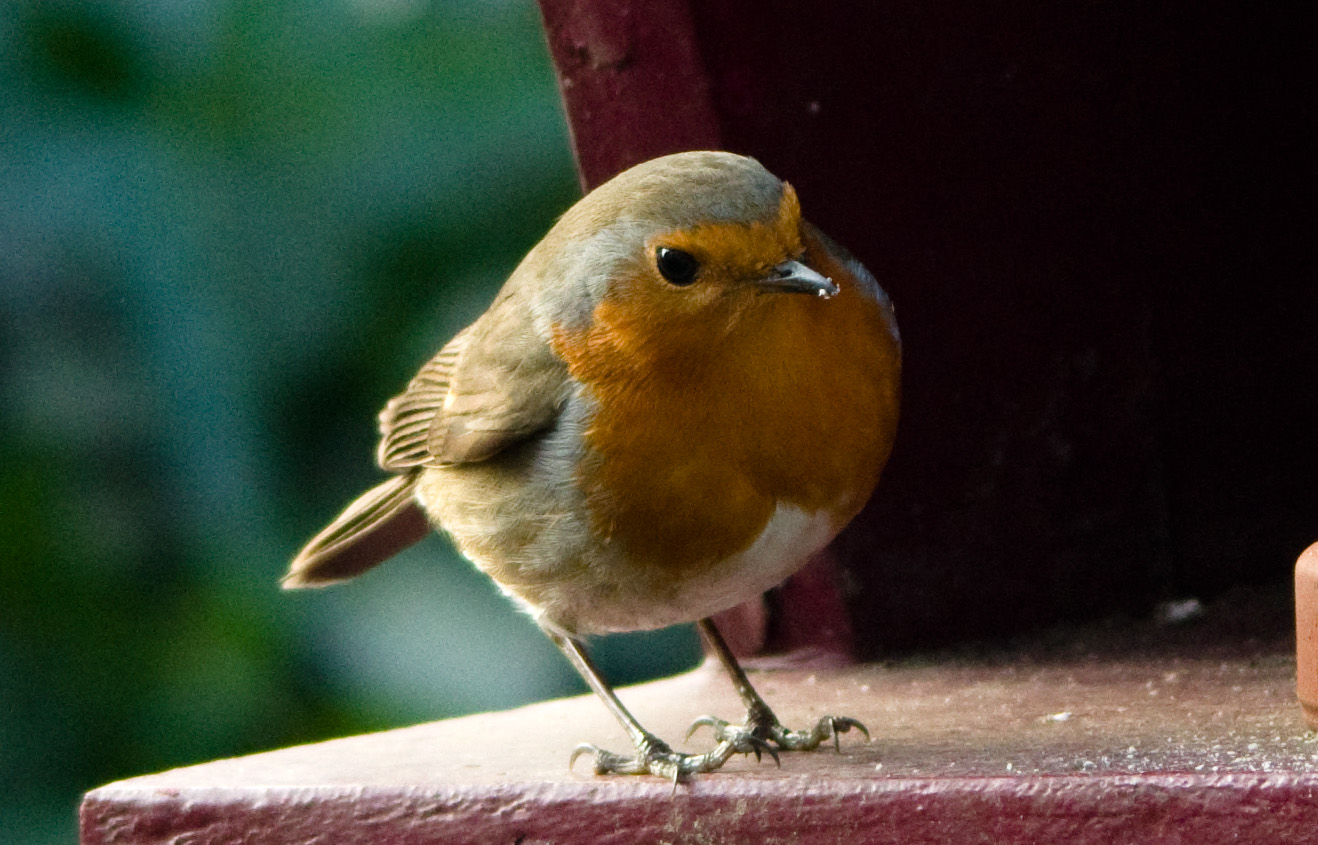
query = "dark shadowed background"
{"x": 229, "y": 231}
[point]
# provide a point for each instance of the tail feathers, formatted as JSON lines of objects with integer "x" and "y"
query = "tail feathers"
{"x": 380, "y": 523}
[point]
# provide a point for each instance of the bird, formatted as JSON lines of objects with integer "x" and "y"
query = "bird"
{"x": 679, "y": 395}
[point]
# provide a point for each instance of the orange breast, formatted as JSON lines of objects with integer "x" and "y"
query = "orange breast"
{"x": 690, "y": 452}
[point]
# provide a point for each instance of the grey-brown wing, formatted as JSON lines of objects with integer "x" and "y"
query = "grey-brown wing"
{"x": 406, "y": 420}
{"x": 494, "y": 385}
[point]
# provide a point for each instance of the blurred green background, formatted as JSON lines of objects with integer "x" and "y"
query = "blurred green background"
{"x": 229, "y": 231}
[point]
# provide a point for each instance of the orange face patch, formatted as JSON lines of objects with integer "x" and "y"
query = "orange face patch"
{"x": 647, "y": 322}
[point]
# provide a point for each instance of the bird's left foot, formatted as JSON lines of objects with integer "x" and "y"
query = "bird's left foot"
{"x": 655, "y": 757}
{"x": 764, "y": 727}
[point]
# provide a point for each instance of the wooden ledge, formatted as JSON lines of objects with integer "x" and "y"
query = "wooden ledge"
{"x": 1167, "y": 748}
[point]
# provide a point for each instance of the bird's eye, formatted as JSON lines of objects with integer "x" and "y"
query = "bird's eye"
{"x": 676, "y": 266}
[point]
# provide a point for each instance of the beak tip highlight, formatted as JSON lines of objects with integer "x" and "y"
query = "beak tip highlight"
{"x": 795, "y": 277}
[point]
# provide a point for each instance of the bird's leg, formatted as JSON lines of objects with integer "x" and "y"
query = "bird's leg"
{"x": 653, "y": 755}
{"x": 761, "y": 723}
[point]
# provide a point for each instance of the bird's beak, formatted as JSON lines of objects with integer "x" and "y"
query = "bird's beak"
{"x": 795, "y": 277}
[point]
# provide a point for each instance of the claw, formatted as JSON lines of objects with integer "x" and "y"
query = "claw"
{"x": 606, "y": 762}
{"x": 760, "y": 745}
{"x": 842, "y": 724}
{"x": 585, "y": 748}
{"x": 711, "y": 721}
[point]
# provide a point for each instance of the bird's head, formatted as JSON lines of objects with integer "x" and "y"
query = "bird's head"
{"x": 676, "y": 252}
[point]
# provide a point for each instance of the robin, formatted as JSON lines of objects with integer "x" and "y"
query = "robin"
{"x": 680, "y": 394}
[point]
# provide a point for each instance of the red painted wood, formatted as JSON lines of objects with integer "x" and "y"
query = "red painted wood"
{"x": 632, "y": 81}
{"x": 1177, "y": 735}
{"x": 1306, "y": 633}
{"x": 1074, "y": 809}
